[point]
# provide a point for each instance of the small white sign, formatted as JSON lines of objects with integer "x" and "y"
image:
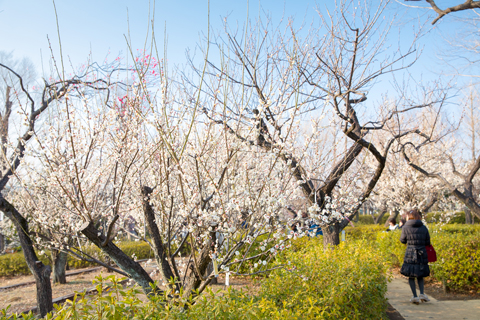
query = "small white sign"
{"x": 215, "y": 266}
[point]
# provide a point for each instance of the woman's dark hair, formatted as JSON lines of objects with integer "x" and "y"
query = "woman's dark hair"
{"x": 414, "y": 215}
{"x": 392, "y": 220}
{"x": 402, "y": 220}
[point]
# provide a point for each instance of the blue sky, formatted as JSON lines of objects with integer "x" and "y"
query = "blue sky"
{"x": 98, "y": 26}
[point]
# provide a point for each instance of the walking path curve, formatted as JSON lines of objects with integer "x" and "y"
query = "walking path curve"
{"x": 399, "y": 295}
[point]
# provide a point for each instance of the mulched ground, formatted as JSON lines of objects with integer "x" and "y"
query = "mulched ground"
{"x": 435, "y": 289}
{"x": 393, "y": 314}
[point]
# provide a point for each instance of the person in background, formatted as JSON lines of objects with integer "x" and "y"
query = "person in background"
{"x": 314, "y": 229}
{"x": 415, "y": 264}
{"x": 402, "y": 221}
{"x": 392, "y": 224}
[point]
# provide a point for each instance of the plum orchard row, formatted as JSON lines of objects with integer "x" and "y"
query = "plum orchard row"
{"x": 236, "y": 154}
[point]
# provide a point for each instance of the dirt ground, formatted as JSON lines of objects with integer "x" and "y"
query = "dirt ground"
{"x": 435, "y": 289}
{"x": 24, "y": 298}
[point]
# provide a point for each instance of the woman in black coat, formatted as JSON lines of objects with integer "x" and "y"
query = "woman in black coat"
{"x": 415, "y": 264}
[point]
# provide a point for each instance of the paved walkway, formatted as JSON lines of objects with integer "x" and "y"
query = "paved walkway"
{"x": 399, "y": 295}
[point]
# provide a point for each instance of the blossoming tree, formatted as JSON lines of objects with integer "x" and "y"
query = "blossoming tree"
{"x": 14, "y": 146}
{"x": 270, "y": 80}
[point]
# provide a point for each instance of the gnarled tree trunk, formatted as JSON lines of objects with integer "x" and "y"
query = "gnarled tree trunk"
{"x": 469, "y": 201}
{"x": 381, "y": 212}
{"x": 127, "y": 264}
{"x": 468, "y": 216}
{"x": 159, "y": 249}
{"x": 59, "y": 259}
{"x": 426, "y": 206}
{"x": 331, "y": 235}
{"x": 393, "y": 215}
{"x": 198, "y": 268}
{"x": 41, "y": 272}
{"x": 2, "y": 243}
{"x": 378, "y": 219}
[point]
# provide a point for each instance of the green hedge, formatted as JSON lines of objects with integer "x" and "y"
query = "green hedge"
{"x": 458, "y": 264}
{"x": 141, "y": 249}
{"x": 368, "y": 219}
{"x": 438, "y": 217}
{"x": 346, "y": 283}
{"x": 392, "y": 249}
{"x": 431, "y": 217}
{"x": 14, "y": 264}
{"x": 458, "y": 254}
{"x": 368, "y": 232}
{"x": 464, "y": 229}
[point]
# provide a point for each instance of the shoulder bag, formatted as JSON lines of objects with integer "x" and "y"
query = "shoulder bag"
{"x": 431, "y": 254}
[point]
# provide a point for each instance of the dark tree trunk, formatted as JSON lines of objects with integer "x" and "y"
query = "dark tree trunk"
{"x": 468, "y": 216}
{"x": 426, "y": 208}
{"x": 381, "y": 212}
{"x": 341, "y": 167}
{"x": 379, "y": 218}
{"x": 127, "y": 264}
{"x": 331, "y": 235}
{"x": 194, "y": 276}
{"x": 2, "y": 243}
{"x": 59, "y": 259}
{"x": 40, "y": 272}
{"x": 468, "y": 200}
{"x": 393, "y": 215}
{"x": 159, "y": 249}
{"x": 44, "y": 288}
